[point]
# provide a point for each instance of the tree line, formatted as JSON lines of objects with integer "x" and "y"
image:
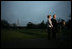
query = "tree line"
{"x": 42, "y": 25}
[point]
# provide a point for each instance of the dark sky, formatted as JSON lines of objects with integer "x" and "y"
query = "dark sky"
{"x": 34, "y": 11}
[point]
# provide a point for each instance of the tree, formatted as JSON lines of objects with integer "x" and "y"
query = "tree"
{"x": 68, "y": 24}
{"x": 4, "y": 24}
{"x": 14, "y": 26}
{"x": 30, "y": 25}
{"x": 60, "y": 24}
{"x": 42, "y": 25}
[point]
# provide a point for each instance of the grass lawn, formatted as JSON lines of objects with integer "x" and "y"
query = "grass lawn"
{"x": 20, "y": 34}
{"x": 9, "y": 34}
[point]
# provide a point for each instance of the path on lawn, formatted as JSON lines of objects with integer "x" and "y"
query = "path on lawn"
{"x": 35, "y": 43}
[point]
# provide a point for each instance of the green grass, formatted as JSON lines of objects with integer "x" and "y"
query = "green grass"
{"x": 15, "y": 34}
{"x": 9, "y": 34}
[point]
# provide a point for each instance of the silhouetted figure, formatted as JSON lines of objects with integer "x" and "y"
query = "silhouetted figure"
{"x": 54, "y": 29}
{"x": 49, "y": 26}
{"x": 63, "y": 24}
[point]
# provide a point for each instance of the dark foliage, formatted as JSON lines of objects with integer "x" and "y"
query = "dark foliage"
{"x": 42, "y": 25}
{"x": 4, "y": 24}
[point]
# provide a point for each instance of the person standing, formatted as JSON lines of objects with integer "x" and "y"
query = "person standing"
{"x": 49, "y": 26}
{"x": 54, "y": 29}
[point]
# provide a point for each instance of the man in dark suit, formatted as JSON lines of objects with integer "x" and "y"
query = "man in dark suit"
{"x": 54, "y": 29}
